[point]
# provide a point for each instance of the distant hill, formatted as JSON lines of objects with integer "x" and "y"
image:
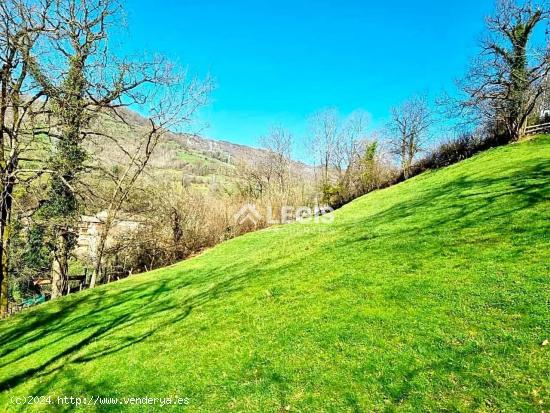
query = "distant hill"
{"x": 201, "y": 159}
{"x": 430, "y": 295}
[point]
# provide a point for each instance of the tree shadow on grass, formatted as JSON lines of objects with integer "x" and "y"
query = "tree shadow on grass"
{"x": 465, "y": 202}
{"x": 108, "y": 324}
{"x": 399, "y": 389}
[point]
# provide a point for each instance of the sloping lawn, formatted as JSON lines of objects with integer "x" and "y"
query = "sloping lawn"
{"x": 430, "y": 295}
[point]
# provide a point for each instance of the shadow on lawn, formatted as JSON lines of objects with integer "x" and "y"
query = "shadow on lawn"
{"x": 399, "y": 389}
{"x": 466, "y": 202}
{"x": 103, "y": 315}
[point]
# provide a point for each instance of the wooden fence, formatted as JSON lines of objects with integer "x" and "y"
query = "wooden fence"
{"x": 535, "y": 129}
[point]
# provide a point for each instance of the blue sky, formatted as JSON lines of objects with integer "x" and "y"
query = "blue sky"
{"x": 277, "y": 62}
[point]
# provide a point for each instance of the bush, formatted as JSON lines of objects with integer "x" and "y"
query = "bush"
{"x": 447, "y": 153}
{"x": 456, "y": 150}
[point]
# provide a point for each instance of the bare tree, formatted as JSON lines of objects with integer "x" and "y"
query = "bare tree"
{"x": 83, "y": 80}
{"x": 507, "y": 79}
{"x": 20, "y": 107}
{"x": 349, "y": 142}
{"x": 324, "y": 132}
{"x": 175, "y": 106}
{"x": 336, "y": 146}
{"x": 334, "y": 141}
{"x": 408, "y": 130}
{"x": 277, "y": 164}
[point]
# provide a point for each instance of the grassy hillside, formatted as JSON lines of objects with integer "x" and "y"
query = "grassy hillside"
{"x": 429, "y": 295}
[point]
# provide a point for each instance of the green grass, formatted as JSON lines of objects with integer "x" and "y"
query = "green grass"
{"x": 199, "y": 159}
{"x": 192, "y": 158}
{"x": 432, "y": 295}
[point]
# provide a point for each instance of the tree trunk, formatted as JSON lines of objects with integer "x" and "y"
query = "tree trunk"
{"x": 103, "y": 233}
{"x": 4, "y": 302}
{"x": 93, "y": 279}
{"x": 5, "y": 218}
{"x": 60, "y": 268}
{"x": 4, "y": 298}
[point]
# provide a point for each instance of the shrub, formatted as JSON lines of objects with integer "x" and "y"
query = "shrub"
{"x": 456, "y": 150}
